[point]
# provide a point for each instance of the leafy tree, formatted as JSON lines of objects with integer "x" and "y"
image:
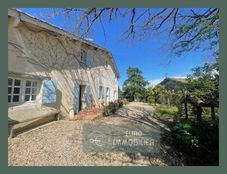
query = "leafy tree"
{"x": 204, "y": 82}
{"x": 155, "y": 95}
{"x": 120, "y": 94}
{"x": 161, "y": 94}
{"x": 150, "y": 95}
{"x": 134, "y": 86}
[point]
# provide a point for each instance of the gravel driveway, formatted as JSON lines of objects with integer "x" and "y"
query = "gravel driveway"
{"x": 52, "y": 145}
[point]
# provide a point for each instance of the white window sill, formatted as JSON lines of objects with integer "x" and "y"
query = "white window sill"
{"x": 22, "y": 106}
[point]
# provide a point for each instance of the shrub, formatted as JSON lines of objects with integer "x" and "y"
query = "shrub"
{"x": 106, "y": 111}
{"x": 112, "y": 107}
{"x": 120, "y": 103}
{"x": 199, "y": 140}
{"x": 182, "y": 135}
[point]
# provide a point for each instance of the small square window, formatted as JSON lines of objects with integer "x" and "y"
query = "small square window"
{"x": 33, "y": 97}
{"x": 16, "y": 90}
{"x": 34, "y": 84}
{"x": 9, "y": 90}
{"x": 16, "y": 98}
{"x": 27, "y": 97}
{"x": 34, "y": 90}
{"x": 10, "y": 82}
{"x": 28, "y": 83}
{"x": 16, "y": 82}
{"x": 27, "y": 90}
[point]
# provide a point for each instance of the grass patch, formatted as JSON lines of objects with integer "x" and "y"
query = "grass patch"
{"x": 166, "y": 112}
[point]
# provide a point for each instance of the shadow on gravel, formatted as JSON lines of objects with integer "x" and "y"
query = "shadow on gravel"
{"x": 168, "y": 154}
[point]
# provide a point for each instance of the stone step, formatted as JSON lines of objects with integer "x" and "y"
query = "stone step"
{"x": 88, "y": 115}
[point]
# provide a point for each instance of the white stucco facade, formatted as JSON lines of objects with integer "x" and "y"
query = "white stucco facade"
{"x": 38, "y": 51}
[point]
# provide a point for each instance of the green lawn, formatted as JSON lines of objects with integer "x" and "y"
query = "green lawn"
{"x": 166, "y": 112}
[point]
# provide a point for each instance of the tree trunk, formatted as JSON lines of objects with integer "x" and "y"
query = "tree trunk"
{"x": 212, "y": 113}
{"x": 186, "y": 110}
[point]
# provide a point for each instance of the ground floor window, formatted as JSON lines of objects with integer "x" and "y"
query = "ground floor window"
{"x": 14, "y": 90}
{"x": 107, "y": 95}
{"x": 101, "y": 92}
{"x": 30, "y": 90}
{"x": 115, "y": 95}
{"x": 22, "y": 90}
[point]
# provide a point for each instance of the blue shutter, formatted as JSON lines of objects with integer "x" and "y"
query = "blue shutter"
{"x": 76, "y": 96}
{"x": 104, "y": 94}
{"x": 88, "y": 97}
{"x": 49, "y": 91}
{"x": 88, "y": 59}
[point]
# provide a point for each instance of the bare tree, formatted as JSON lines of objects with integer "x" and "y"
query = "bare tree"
{"x": 187, "y": 28}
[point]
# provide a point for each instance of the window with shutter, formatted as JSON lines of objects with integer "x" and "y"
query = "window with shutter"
{"x": 100, "y": 92}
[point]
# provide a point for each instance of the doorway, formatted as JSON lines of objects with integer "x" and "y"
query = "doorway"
{"x": 78, "y": 98}
{"x": 82, "y": 102}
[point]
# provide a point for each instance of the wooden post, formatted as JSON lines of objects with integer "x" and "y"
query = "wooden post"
{"x": 186, "y": 110}
{"x": 199, "y": 113}
{"x": 212, "y": 113}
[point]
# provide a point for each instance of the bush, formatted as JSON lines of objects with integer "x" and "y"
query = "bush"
{"x": 182, "y": 135}
{"x": 121, "y": 103}
{"x": 199, "y": 140}
{"x": 112, "y": 107}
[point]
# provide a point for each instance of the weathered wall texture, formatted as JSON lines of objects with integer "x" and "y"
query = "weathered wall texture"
{"x": 39, "y": 52}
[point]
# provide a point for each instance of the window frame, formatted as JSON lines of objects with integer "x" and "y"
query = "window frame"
{"x": 13, "y": 86}
{"x": 101, "y": 96}
{"x": 115, "y": 95}
{"x": 22, "y": 91}
{"x": 31, "y": 93}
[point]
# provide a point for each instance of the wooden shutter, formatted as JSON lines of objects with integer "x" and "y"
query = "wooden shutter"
{"x": 104, "y": 94}
{"x": 76, "y": 97}
{"x": 88, "y": 59}
{"x": 49, "y": 91}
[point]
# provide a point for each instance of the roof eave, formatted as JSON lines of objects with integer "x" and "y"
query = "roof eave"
{"x": 45, "y": 25}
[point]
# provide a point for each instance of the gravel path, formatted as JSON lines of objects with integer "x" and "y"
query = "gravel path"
{"x": 59, "y": 143}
